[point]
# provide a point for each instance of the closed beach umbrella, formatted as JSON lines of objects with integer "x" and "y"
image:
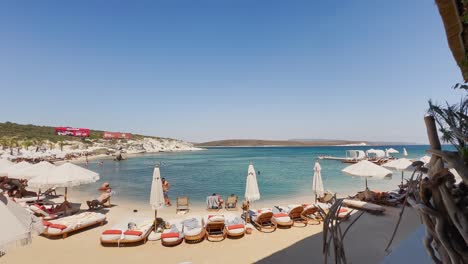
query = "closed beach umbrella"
{"x": 4, "y": 166}
{"x": 156, "y": 196}
{"x": 400, "y": 165}
{"x": 405, "y": 153}
{"x": 317, "y": 184}
{"x": 18, "y": 225}
{"x": 251, "y": 187}
{"x": 38, "y": 169}
{"x": 65, "y": 175}
{"x": 367, "y": 169}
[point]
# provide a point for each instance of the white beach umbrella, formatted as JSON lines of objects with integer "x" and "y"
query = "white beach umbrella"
{"x": 4, "y": 166}
{"x": 367, "y": 169}
{"x": 156, "y": 196}
{"x": 317, "y": 184}
{"x": 405, "y": 153}
{"x": 400, "y": 165}
{"x": 18, "y": 225}
{"x": 251, "y": 187}
{"x": 65, "y": 175}
{"x": 426, "y": 159}
{"x": 36, "y": 170}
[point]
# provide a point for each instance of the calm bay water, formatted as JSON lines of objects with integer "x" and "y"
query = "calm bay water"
{"x": 285, "y": 172}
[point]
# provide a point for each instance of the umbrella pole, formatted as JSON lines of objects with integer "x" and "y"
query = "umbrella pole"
{"x": 155, "y": 220}
{"x": 366, "y": 185}
{"x": 66, "y": 191}
{"x": 402, "y": 178}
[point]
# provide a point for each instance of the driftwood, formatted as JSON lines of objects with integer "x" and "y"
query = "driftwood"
{"x": 333, "y": 236}
{"x": 445, "y": 221}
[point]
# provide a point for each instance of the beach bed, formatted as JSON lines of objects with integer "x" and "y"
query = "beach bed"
{"x": 311, "y": 214}
{"x": 64, "y": 226}
{"x": 120, "y": 234}
{"x": 234, "y": 225}
{"x": 215, "y": 228}
{"x": 294, "y": 211}
{"x": 29, "y": 199}
{"x": 194, "y": 230}
{"x": 262, "y": 220}
{"x": 365, "y": 206}
{"x": 174, "y": 235}
{"x": 43, "y": 210}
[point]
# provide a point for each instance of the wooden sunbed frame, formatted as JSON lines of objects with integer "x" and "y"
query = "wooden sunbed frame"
{"x": 228, "y": 201}
{"x": 308, "y": 212}
{"x": 264, "y": 223}
{"x": 215, "y": 231}
{"x": 296, "y": 216}
{"x": 182, "y": 203}
{"x": 172, "y": 244}
{"x": 64, "y": 235}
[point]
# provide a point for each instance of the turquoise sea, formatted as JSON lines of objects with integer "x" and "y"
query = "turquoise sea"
{"x": 285, "y": 172}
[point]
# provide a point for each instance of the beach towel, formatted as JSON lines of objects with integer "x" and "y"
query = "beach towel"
{"x": 191, "y": 224}
{"x": 276, "y": 210}
{"x": 234, "y": 221}
{"x": 212, "y": 202}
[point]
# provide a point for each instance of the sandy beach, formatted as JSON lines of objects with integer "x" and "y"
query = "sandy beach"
{"x": 365, "y": 241}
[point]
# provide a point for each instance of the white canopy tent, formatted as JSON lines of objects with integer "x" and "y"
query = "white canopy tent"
{"x": 251, "y": 187}
{"x": 317, "y": 184}
{"x": 367, "y": 169}
{"x": 65, "y": 175}
{"x": 18, "y": 225}
{"x": 377, "y": 152}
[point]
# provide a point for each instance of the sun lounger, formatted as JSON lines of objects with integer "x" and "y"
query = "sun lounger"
{"x": 29, "y": 199}
{"x": 263, "y": 220}
{"x": 234, "y": 225}
{"x": 295, "y": 214}
{"x": 231, "y": 202}
{"x": 182, "y": 204}
{"x": 214, "y": 226}
{"x": 194, "y": 230}
{"x": 281, "y": 218}
{"x": 366, "y": 206}
{"x": 47, "y": 212}
{"x": 120, "y": 234}
{"x": 64, "y": 226}
{"x": 311, "y": 214}
{"x": 174, "y": 235}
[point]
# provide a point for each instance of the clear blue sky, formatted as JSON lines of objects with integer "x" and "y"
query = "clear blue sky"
{"x": 206, "y": 70}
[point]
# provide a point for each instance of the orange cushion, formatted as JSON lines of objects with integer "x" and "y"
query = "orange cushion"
{"x": 280, "y": 215}
{"x": 169, "y": 235}
{"x": 112, "y": 232}
{"x": 236, "y": 226}
{"x": 133, "y": 233}
{"x": 58, "y": 226}
{"x": 343, "y": 210}
{"x": 46, "y": 223}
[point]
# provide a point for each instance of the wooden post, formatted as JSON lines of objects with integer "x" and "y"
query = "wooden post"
{"x": 65, "y": 196}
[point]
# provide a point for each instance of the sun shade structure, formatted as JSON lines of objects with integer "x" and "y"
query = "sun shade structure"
{"x": 425, "y": 159}
{"x": 251, "y": 187}
{"x": 317, "y": 184}
{"x": 36, "y": 170}
{"x": 400, "y": 165}
{"x": 392, "y": 151}
{"x": 65, "y": 175}
{"x": 18, "y": 225}
{"x": 367, "y": 169}
{"x": 156, "y": 196}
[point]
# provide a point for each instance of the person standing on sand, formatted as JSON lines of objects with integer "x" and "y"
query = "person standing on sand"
{"x": 165, "y": 186}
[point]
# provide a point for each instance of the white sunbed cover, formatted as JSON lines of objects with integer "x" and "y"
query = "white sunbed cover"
{"x": 178, "y": 224}
{"x": 74, "y": 222}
